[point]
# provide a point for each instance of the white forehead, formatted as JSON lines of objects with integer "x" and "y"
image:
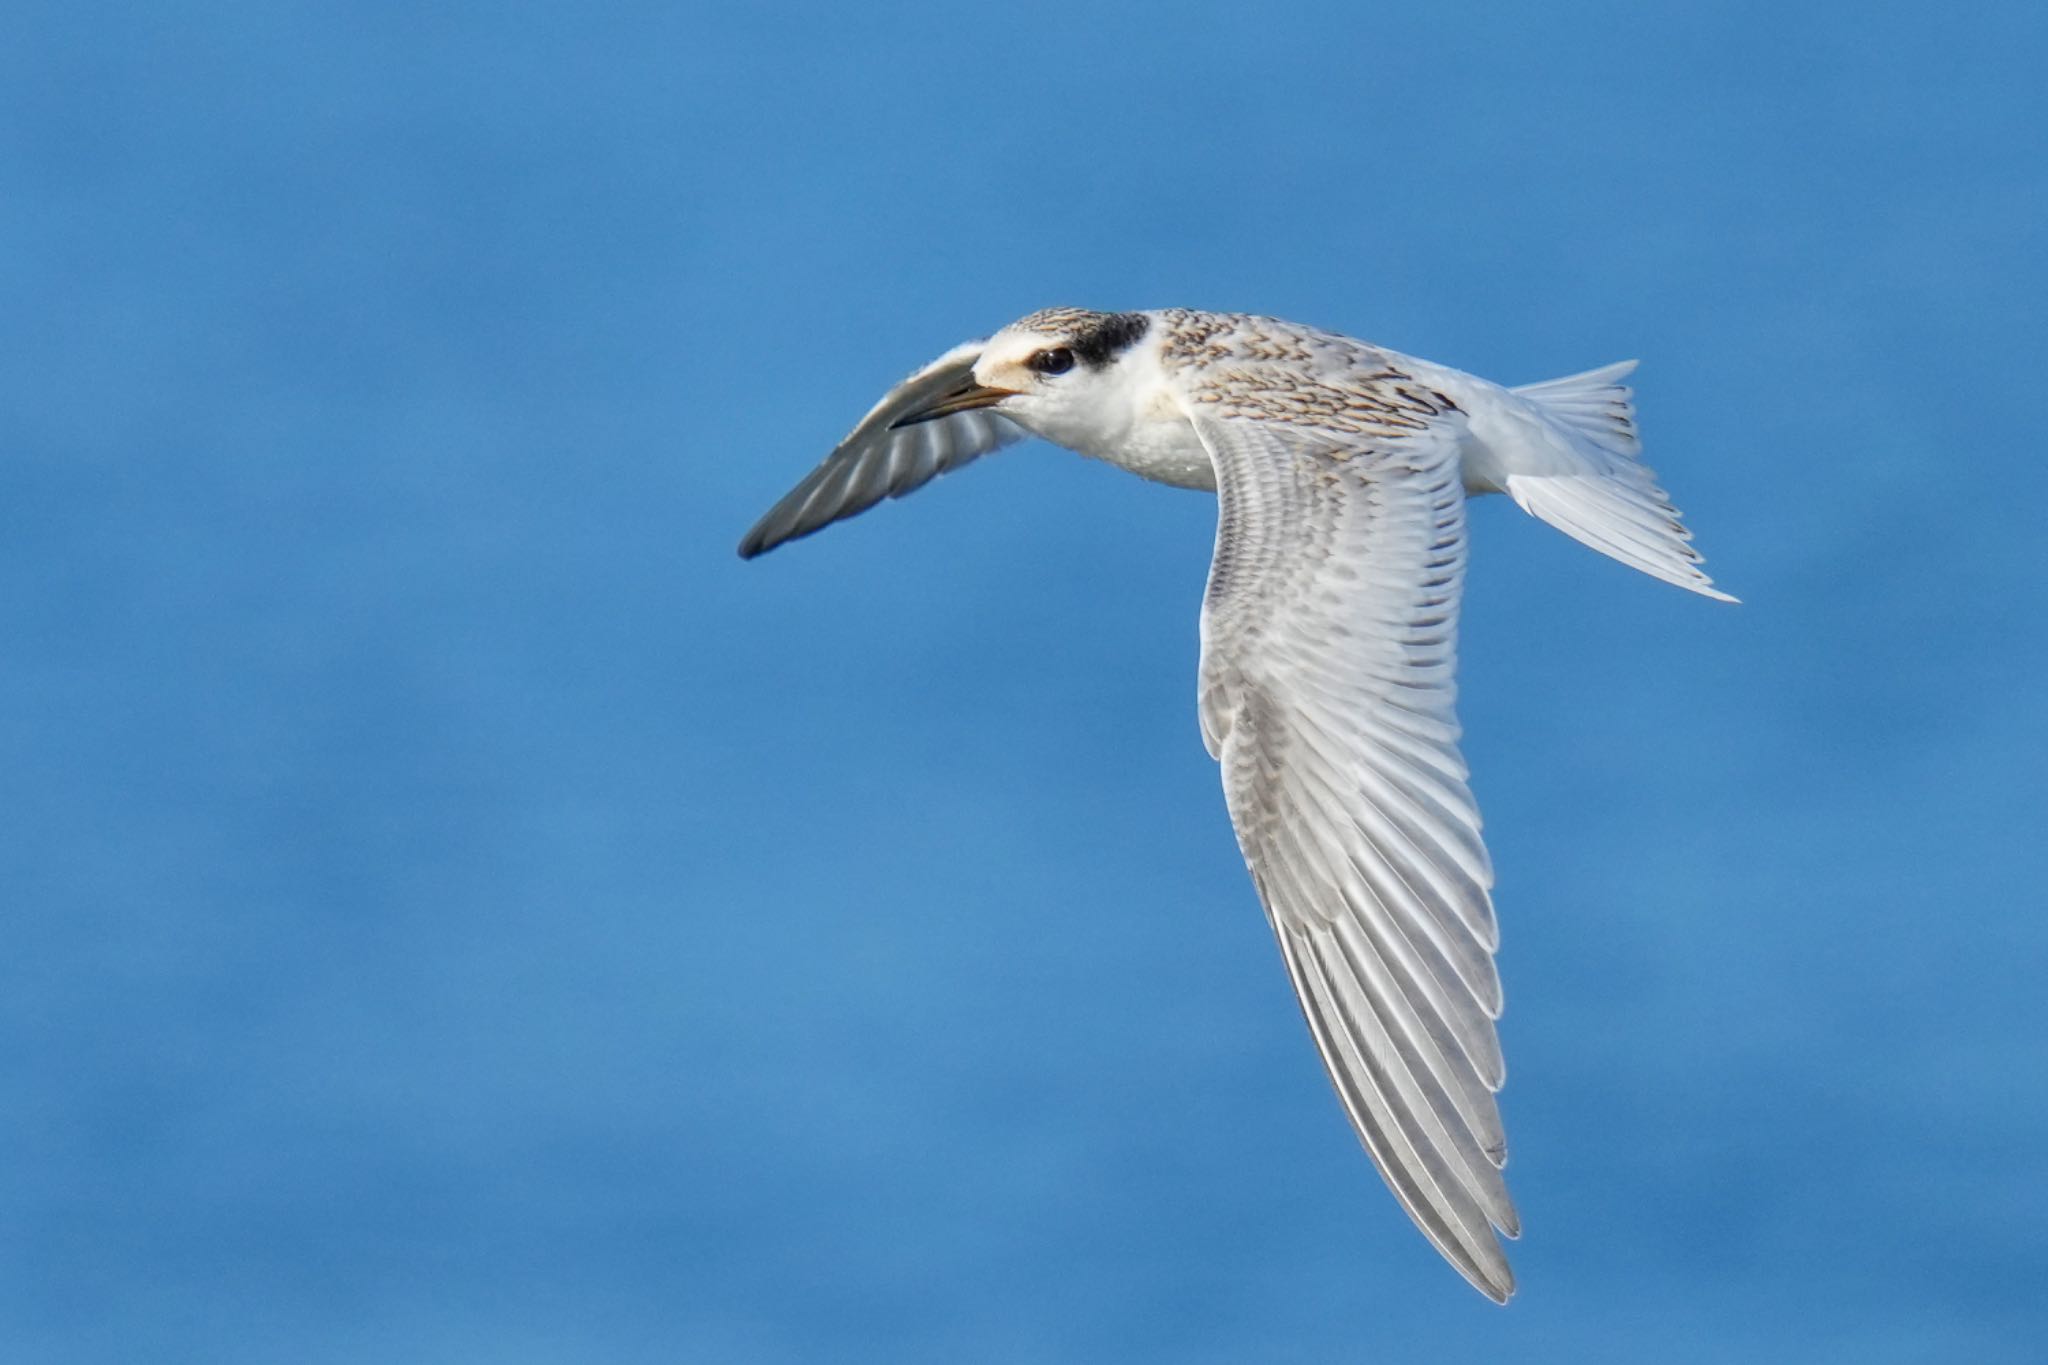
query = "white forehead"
{"x": 1018, "y": 343}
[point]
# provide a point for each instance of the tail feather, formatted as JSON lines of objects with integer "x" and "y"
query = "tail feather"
{"x": 1592, "y": 512}
{"x": 1566, "y": 454}
{"x": 1595, "y": 405}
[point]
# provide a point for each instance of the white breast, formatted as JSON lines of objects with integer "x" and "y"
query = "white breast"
{"x": 1162, "y": 446}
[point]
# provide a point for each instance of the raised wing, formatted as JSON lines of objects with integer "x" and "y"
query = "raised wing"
{"x": 876, "y": 462}
{"x": 1328, "y": 649}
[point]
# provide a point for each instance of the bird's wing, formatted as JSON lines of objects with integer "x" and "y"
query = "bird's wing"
{"x": 1328, "y": 652}
{"x": 880, "y": 461}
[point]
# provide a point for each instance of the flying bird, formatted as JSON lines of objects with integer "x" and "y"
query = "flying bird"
{"x": 1328, "y": 633}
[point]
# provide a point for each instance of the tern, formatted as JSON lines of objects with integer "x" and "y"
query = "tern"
{"x": 1328, "y": 631}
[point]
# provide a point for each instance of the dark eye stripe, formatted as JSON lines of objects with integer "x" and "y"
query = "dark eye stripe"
{"x": 1110, "y": 335}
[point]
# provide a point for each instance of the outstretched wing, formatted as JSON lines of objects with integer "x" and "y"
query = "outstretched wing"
{"x": 1328, "y": 652}
{"x": 877, "y": 461}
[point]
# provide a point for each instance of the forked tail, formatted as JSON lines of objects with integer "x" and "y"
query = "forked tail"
{"x": 1567, "y": 454}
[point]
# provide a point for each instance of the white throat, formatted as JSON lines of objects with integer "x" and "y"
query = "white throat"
{"x": 1131, "y": 419}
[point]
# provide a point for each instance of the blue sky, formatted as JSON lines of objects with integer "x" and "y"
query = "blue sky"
{"x": 461, "y": 912}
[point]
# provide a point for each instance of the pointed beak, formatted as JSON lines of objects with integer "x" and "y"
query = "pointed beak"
{"x": 963, "y": 399}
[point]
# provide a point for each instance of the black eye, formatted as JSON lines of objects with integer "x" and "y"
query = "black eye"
{"x": 1058, "y": 360}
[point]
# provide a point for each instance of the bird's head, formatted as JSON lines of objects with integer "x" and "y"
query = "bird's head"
{"x": 1056, "y": 372}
